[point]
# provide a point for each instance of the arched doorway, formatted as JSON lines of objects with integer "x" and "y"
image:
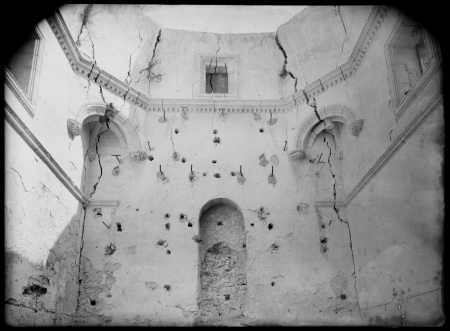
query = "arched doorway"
{"x": 222, "y": 252}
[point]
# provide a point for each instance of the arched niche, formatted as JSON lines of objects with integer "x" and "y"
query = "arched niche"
{"x": 312, "y": 126}
{"x": 222, "y": 254}
{"x": 120, "y": 125}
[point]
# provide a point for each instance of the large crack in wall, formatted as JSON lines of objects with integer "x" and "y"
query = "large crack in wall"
{"x": 284, "y": 72}
{"x": 223, "y": 280}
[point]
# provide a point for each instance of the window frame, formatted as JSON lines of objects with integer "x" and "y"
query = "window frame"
{"x": 400, "y": 105}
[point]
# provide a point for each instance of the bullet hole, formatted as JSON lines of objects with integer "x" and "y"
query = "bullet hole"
{"x": 167, "y": 216}
{"x": 323, "y": 240}
{"x": 34, "y": 290}
{"x": 262, "y": 160}
{"x": 167, "y": 226}
{"x": 161, "y": 243}
{"x": 323, "y": 249}
{"x": 176, "y": 131}
{"x": 168, "y": 252}
{"x": 150, "y": 157}
{"x": 227, "y": 297}
{"x": 274, "y": 247}
{"x": 220, "y": 223}
{"x": 216, "y": 140}
{"x": 273, "y": 283}
{"x": 323, "y": 226}
{"x": 270, "y": 227}
{"x": 183, "y": 159}
{"x": 214, "y": 161}
{"x": 137, "y": 209}
{"x": 252, "y": 224}
{"x": 233, "y": 173}
{"x": 217, "y": 175}
{"x": 119, "y": 227}
{"x": 168, "y": 288}
{"x": 215, "y": 131}
{"x": 183, "y": 217}
{"x": 343, "y": 296}
{"x": 110, "y": 249}
{"x": 244, "y": 245}
{"x": 93, "y": 302}
{"x": 204, "y": 174}
{"x": 261, "y": 130}
{"x": 190, "y": 224}
{"x": 116, "y": 171}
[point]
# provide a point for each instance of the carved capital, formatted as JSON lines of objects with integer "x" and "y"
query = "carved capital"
{"x": 138, "y": 156}
{"x": 356, "y": 127}
{"x": 297, "y": 154}
{"x": 74, "y": 127}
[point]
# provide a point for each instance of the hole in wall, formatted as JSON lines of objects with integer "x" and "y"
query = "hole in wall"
{"x": 244, "y": 245}
{"x": 183, "y": 159}
{"x": 233, "y": 173}
{"x": 161, "y": 243}
{"x": 273, "y": 283}
{"x": 150, "y": 157}
{"x": 261, "y": 130}
{"x": 343, "y": 296}
{"x": 204, "y": 174}
{"x": 217, "y": 175}
{"x": 183, "y": 217}
{"x": 252, "y": 224}
{"x": 227, "y": 297}
{"x": 176, "y": 131}
{"x": 270, "y": 227}
{"x": 215, "y": 131}
{"x": 167, "y": 226}
{"x": 168, "y": 288}
{"x": 119, "y": 227}
{"x": 93, "y": 302}
{"x": 274, "y": 247}
{"x": 323, "y": 226}
{"x": 220, "y": 223}
{"x": 137, "y": 209}
{"x": 167, "y": 215}
{"x": 190, "y": 224}
{"x": 216, "y": 140}
{"x": 214, "y": 161}
{"x": 323, "y": 240}
{"x": 168, "y": 252}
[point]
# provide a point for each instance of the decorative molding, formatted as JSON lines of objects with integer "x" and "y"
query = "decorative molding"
{"x": 394, "y": 146}
{"x": 18, "y": 92}
{"x": 43, "y": 154}
{"x": 103, "y": 203}
{"x": 74, "y": 127}
{"x": 356, "y": 127}
{"x": 90, "y": 71}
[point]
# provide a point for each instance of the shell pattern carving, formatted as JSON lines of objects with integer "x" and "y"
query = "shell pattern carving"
{"x": 74, "y": 127}
{"x": 356, "y": 127}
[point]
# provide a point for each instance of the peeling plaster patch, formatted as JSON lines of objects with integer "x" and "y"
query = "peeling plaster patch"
{"x": 193, "y": 177}
{"x": 110, "y": 249}
{"x": 241, "y": 179}
{"x": 339, "y": 283}
{"x": 176, "y": 156}
{"x": 323, "y": 244}
{"x": 274, "y": 160}
{"x": 168, "y": 289}
{"x": 262, "y": 213}
{"x": 167, "y": 226}
{"x": 197, "y": 239}
{"x": 262, "y": 160}
{"x": 116, "y": 171}
{"x": 216, "y": 140}
{"x": 152, "y": 285}
{"x": 162, "y": 177}
{"x": 161, "y": 243}
{"x": 274, "y": 247}
{"x": 256, "y": 117}
{"x": 272, "y": 180}
{"x": 302, "y": 207}
{"x": 217, "y": 175}
{"x": 97, "y": 212}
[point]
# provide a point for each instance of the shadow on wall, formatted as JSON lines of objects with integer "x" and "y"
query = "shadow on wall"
{"x": 44, "y": 295}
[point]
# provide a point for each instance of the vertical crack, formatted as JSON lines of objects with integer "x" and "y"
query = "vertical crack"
{"x": 79, "y": 263}
{"x": 99, "y": 163}
{"x": 128, "y": 80}
{"x": 84, "y": 17}
{"x": 150, "y": 75}
{"x": 284, "y": 72}
{"x": 346, "y": 223}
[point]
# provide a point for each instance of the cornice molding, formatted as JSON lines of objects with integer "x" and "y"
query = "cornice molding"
{"x": 90, "y": 71}
{"x": 43, "y": 154}
{"x": 103, "y": 203}
{"x": 390, "y": 151}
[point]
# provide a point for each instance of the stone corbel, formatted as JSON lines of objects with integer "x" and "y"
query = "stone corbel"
{"x": 356, "y": 127}
{"x": 138, "y": 156}
{"x": 74, "y": 127}
{"x": 297, "y": 154}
